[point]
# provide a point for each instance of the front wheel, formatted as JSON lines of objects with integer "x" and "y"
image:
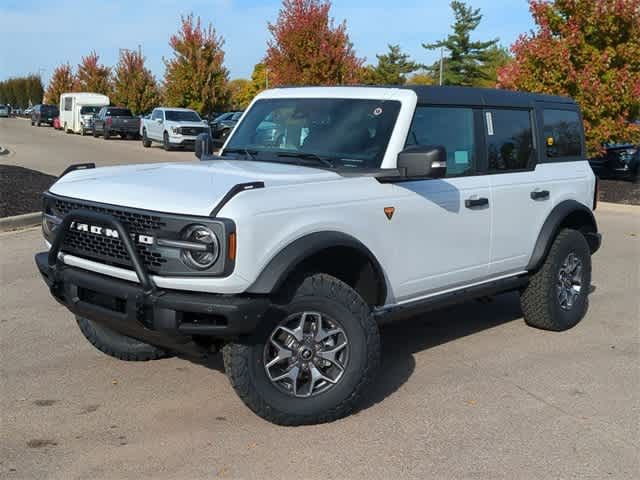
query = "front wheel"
{"x": 106, "y": 134}
{"x": 165, "y": 142}
{"x": 146, "y": 143}
{"x": 117, "y": 345}
{"x": 557, "y": 295}
{"x": 310, "y": 362}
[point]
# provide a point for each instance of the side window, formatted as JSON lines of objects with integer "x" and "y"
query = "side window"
{"x": 156, "y": 115}
{"x": 509, "y": 139}
{"x": 451, "y": 127}
{"x": 562, "y": 134}
{"x": 68, "y": 101}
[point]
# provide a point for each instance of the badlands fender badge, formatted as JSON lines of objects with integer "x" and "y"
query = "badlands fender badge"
{"x": 388, "y": 211}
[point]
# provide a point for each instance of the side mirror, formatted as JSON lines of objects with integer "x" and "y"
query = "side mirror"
{"x": 203, "y": 146}
{"x": 428, "y": 161}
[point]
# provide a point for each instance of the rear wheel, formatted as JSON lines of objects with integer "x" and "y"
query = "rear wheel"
{"x": 310, "y": 362}
{"x": 106, "y": 134}
{"x": 117, "y": 345}
{"x": 146, "y": 143}
{"x": 94, "y": 132}
{"x": 557, "y": 295}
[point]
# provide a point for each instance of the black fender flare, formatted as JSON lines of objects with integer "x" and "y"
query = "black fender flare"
{"x": 552, "y": 226}
{"x": 284, "y": 263}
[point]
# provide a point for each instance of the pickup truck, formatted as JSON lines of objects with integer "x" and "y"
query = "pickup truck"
{"x": 111, "y": 121}
{"x": 173, "y": 127}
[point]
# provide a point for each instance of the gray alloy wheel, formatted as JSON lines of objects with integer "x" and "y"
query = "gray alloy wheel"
{"x": 306, "y": 355}
{"x": 569, "y": 281}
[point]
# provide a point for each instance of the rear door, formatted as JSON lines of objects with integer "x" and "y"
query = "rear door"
{"x": 521, "y": 191}
{"x": 449, "y": 219}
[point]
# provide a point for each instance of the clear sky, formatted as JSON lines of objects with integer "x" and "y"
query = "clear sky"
{"x": 36, "y": 35}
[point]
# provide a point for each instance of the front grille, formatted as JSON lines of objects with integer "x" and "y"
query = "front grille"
{"x": 111, "y": 250}
{"x": 192, "y": 130}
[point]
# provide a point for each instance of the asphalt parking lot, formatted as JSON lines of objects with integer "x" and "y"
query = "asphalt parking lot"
{"x": 466, "y": 392}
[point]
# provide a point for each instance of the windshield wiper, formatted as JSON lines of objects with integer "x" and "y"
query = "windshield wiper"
{"x": 327, "y": 162}
{"x": 249, "y": 155}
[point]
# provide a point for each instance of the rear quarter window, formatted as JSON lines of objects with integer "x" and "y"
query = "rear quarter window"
{"x": 562, "y": 130}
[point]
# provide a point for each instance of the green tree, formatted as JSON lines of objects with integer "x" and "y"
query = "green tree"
{"x": 589, "y": 50}
{"x": 465, "y": 60}
{"x": 93, "y": 77}
{"x": 392, "y": 68}
{"x": 497, "y": 57}
{"x": 61, "y": 81}
{"x": 306, "y": 47}
{"x": 21, "y": 91}
{"x": 134, "y": 86}
{"x": 196, "y": 76}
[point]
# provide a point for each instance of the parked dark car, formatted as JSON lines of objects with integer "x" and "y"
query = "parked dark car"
{"x": 621, "y": 161}
{"x": 44, "y": 114}
{"x": 223, "y": 125}
{"x": 111, "y": 121}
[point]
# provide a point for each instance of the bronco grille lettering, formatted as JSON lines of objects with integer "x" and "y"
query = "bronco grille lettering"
{"x": 109, "y": 232}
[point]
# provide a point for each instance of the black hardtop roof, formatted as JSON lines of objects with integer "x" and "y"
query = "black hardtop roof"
{"x": 481, "y": 96}
{"x": 450, "y": 95}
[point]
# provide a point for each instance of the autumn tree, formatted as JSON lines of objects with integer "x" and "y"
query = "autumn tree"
{"x": 392, "y": 68}
{"x": 62, "y": 81}
{"x": 196, "y": 76}
{"x": 589, "y": 50}
{"x": 421, "y": 78}
{"x": 465, "y": 59}
{"x": 239, "y": 91}
{"x": 307, "y": 48}
{"x": 91, "y": 76}
{"x": 134, "y": 86}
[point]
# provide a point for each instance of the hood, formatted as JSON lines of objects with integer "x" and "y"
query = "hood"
{"x": 193, "y": 188}
{"x": 187, "y": 124}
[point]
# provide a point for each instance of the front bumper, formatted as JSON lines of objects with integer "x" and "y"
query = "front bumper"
{"x": 165, "y": 318}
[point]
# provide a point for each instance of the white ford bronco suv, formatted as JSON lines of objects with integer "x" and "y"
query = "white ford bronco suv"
{"x": 327, "y": 210}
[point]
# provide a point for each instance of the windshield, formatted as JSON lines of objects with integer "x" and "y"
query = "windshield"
{"x": 348, "y": 132}
{"x": 89, "y": 110}
{"x": 119, "y": 112}
{"x": 181, "y": 116}
{"x": 49, "y": 109}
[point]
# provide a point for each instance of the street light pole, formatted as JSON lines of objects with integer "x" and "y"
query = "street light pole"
{"x": 441, "y": 64}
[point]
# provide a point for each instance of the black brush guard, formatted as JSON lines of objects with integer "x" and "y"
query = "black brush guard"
{"x": 165, "y": 318}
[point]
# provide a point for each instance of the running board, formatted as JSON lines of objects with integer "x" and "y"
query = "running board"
{"x": 434, "y": 302}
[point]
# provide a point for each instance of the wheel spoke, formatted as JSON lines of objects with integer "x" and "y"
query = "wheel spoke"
{"x": 330, "y": 355}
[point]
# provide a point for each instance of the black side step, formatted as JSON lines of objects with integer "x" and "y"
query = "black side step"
{"x": 435, "y": 302}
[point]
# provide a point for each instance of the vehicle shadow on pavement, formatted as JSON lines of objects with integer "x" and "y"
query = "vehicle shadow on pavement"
{"x": 402, "y": 338}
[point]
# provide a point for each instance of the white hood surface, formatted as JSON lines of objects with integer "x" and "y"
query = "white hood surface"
{"x": 192, "y": 188}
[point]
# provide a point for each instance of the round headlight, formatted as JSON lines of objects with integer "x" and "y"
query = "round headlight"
{"x": 49, "y": 224}
{"x": 200, "y": 259}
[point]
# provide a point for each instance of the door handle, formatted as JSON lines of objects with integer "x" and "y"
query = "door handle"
{"x": 476, "y": 202}
{"x": 540, "y": 195}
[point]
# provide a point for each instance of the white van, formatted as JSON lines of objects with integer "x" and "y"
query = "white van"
{"x": 77, "y": 110}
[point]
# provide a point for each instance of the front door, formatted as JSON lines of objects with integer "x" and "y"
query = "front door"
{"x": 447, "y": 221}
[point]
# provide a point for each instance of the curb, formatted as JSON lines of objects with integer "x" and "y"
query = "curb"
{"x": 20, "y": 221}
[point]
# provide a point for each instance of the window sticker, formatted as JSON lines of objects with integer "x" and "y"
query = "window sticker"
{"x": 461, "y": 157}
{"x": 489, "y": 117}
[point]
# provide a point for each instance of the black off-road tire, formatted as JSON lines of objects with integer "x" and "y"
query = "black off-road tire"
{"x": 146, "y": 143}
{"x": 117, "y": 345}
{"x": 166, "y": 144}
{"x": 106, "y": 134}
{"x": 244, "y": 361}
{"x": 94, "y": 132}
{"x": 539, "y": 300}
